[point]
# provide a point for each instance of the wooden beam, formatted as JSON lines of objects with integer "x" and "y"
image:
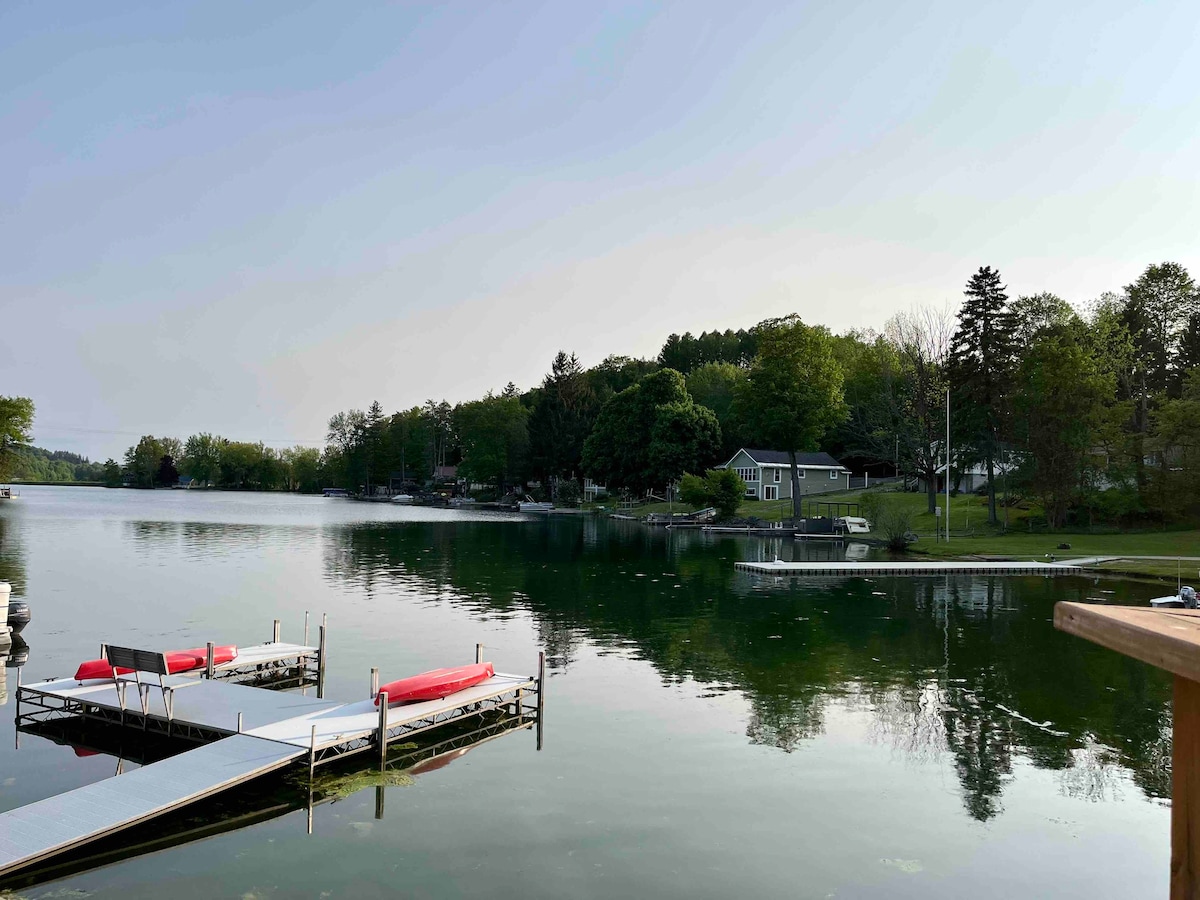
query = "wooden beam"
{"x": 1185, "y": 792}
{"x": 1165, "y": 638}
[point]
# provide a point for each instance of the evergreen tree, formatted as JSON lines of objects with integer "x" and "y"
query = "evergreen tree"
{"x": 564, "y": 411}
{"x": 982, "y": 355}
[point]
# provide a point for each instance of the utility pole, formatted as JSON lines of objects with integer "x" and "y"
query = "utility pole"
{"x": 947, "y": 465}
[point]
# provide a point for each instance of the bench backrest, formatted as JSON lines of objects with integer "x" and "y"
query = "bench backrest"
{"x": 138, "y": 660}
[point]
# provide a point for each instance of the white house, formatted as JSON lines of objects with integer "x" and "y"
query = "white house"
{"x": 767, "y": 473}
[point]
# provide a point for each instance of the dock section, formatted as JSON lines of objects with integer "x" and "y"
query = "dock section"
{"x": 40, "y": 830}
{"x": 890, "y": 567}
{"x": 250, "y": 731}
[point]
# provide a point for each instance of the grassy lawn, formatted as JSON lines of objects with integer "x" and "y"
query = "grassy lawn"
{"x": 971, "y": 536}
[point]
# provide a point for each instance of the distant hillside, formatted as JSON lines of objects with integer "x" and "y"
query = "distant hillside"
{"x": 36, "y": 464}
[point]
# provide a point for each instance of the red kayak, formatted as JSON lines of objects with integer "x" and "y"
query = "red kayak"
{"x": 436, "y": 684}
{"x": 177, "y": 661}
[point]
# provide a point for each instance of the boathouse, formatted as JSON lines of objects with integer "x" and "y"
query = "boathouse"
{"x": 767, "y": 473}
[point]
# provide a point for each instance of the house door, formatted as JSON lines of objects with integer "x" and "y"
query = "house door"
{"x": 770, "y": 492}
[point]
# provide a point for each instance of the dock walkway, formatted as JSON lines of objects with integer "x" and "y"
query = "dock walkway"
{"x": 252, "y": 732}
{"x": 889, "y": 567}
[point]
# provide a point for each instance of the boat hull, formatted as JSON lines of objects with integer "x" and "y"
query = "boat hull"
{"x": 436, "y": 684}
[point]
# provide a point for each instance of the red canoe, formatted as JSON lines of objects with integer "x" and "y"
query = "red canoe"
{"x": 436, "y": 684}
{"x": 177, "y": 661}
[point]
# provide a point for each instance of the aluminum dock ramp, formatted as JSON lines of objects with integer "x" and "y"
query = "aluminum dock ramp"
{"x": 890, "y": 567}
{"x": 43, "y": 829}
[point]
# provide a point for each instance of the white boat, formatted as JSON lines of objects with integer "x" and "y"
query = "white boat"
{"x": 462, "y": 501}
{"x": 1185, "y": 599}
{"x": 402, "y": 498}
{"x": 534, "y": 506}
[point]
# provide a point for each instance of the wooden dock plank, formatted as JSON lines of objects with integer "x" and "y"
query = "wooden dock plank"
{"x": 1166, "y": 638}
{"x": 56, "y": 824}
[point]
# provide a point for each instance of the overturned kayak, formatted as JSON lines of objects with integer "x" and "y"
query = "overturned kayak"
{"x": 436, "y": 684}
{"x": 177, "y": 661}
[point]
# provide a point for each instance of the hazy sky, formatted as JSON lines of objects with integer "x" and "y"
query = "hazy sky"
{"x": 242, "y": 218}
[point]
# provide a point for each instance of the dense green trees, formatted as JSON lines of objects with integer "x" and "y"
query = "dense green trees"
{"x": 564, "y": 410}
{"x": 649, "y": 434}
{"x": 16, "y": 426}
{"x": 1093, "y": 416}
{"x": 685, "y": 352}
{"x": 793, "y": 393}
{"x": 494, "y": 437}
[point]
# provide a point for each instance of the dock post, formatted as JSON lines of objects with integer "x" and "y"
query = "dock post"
{"x": 478, "y": 653}
{"x": 379, "y": 801}
{"x": 374, "y": 682}
{"x": 239, "y": 731}
{"x": 312, "y": 753}
{"x": 306, "y": 628}
{"x": 383, "y": 715}
{"x": 321, "y": 665}
{"x": 275, "y": 633}
{"x": 209, "y": 666}
{"x": 541, "y": 704}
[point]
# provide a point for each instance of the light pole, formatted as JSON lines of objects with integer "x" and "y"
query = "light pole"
{"x": 947, "y": 465}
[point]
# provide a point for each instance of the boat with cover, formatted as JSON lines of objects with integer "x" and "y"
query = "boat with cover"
{"x": 177, "y": 661}
{"x": 436, "y": 684}
{"x": 1186, "y": 599}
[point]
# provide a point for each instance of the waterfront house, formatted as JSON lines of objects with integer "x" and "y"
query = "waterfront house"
{"x": 767, "y": 473}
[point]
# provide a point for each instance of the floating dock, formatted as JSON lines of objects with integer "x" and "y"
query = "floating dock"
{"x": 887, "y": 567}
{"x": 247, "y": 731}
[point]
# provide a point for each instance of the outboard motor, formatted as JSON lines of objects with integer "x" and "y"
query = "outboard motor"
{"x": 18, "y": 615}
{"x": 1187, "y": 594}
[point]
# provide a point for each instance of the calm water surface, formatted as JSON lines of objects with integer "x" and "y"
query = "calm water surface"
{"x": 707, "y": 734}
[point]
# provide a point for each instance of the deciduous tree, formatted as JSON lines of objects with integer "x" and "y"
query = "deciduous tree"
{"x": 792, "y": 395}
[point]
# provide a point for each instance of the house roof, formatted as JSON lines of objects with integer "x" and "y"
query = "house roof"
{"x": 820, "y": 460}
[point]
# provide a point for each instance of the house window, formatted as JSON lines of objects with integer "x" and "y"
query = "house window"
{"x": 777, "y": 474}
{"x": 833, "y": 474}
{"x": 800, "y": 473}
{"x": 750, "y": 492}
{"x": 770, "y": 492}
{"x": 748, "y": 475}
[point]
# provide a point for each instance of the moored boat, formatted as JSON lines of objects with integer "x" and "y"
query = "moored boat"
{"x": 402, "y": 498}
{"x": 436, "y": 684}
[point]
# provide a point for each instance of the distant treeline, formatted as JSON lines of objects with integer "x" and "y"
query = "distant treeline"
{"x": 1093, "y": 413}
{"x": 36, "y": 464}
{"x": 206, "y": 460}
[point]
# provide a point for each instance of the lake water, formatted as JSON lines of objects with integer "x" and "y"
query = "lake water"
{"x": 707, "y": 733}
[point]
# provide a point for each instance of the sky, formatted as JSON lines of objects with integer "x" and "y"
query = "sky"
{"x": 242, "y": 218}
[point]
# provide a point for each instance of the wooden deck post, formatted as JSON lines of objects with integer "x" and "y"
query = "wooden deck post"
{"x": 374, "y": 683}
{"x": 306, "y": 628}
{"x": 1167, "y": 639}
{"x": 478, "y": 653}
{"x": 275, "y": 632}
{"x": 1185, "y": 791}
{"x": 209, "y": 664}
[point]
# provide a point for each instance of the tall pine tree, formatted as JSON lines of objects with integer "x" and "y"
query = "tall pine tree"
{"x": 982, "y": 355}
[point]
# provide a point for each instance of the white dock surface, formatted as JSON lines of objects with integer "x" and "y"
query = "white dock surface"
{"x": 49, "y": 826}
{"x": 206, "y": 704}
{"x": 350, "y": 721}
{"x": 889, "y": 567}
{"x": 277, "y": 729}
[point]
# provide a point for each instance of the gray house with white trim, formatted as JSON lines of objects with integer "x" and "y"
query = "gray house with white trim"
{"x": 767, "y": 473}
